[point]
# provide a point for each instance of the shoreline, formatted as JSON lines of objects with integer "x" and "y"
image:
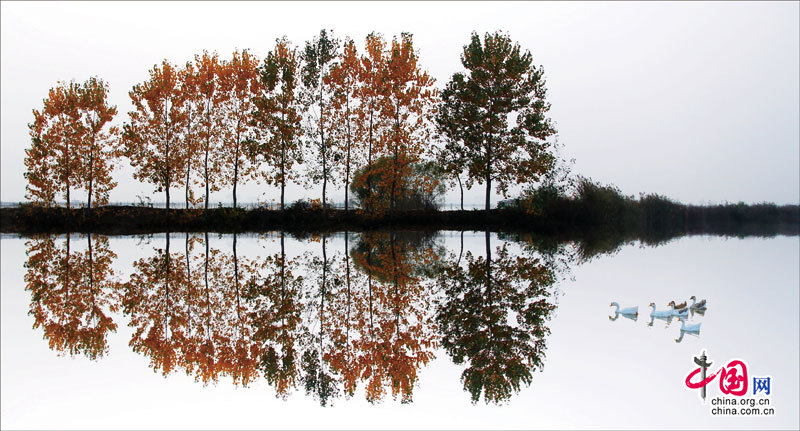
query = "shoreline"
{"x": 741, "y": 220}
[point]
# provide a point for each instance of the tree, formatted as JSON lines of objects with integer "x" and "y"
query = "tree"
{"x": 318, "y": 60}
{"x": 317, "y": 376}
{"x": 240, "y": 78}
{"x": 371, "y": 91}
{"x": 452, "y": 155}
{"x": 190, "y": 127}
{"x": 345, "y": 108}
{"x": 52, "y": 162}
{"x": 396, "y": 336}
{"x": 73, "y": 144}
{"x": 73, "y": 294}
{"x": 408, "y": 106}
{"x": 278, "y": 113}
{"x": 98, "y": 150}
{"x": 151, "y": 138}
{"x": 276, "y": 311}
{"x": 153, "y": 302}
{"x": 475, "y": 314}
{"x": 500, "y": 84}
{"x": 210, "y": 98}
{"x": 421, "y": 189}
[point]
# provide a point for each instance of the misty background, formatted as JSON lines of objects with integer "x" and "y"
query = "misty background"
{"x": 696, "y": 101}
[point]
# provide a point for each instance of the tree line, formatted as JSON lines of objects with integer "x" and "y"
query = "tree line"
{"x": 314, "y": 114}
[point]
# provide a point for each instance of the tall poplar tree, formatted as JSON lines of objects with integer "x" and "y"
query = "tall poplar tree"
{"x": 346, "y": 105}
{"x": 371, "y": 92}
{"x": 408, "y": 107}
{"x": 240, "y": 78}
{"x": 279, "y": 113}
{"x": 500, "y": 84}
{"x": 210, "y": 97}
{"x": 98, "y": 150}
{"x": 318, "y": 58}
{"x": 151, "y": 139}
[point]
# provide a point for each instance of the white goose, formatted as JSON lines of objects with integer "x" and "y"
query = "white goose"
{"x": 695, "y": 327}
{"x": 624, "y": 311}
{"x": 679, "y": 312}
{"x": 660, "y": 314}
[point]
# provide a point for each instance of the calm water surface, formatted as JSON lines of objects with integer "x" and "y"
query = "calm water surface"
{"x": 387, "y": 330}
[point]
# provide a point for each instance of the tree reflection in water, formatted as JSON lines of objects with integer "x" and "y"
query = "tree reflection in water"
{"x": 492, "y": 318}
{"x": 368, "y": 315}
{"x": 73, "y": 293}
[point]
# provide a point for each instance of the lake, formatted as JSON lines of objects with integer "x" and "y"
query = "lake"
{"x": 394, "y": 330}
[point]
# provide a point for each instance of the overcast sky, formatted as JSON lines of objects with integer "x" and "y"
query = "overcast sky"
{"x": 696, "y": 101}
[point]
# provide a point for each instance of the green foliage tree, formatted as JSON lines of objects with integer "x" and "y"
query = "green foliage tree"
{"x": 500, "y": 84}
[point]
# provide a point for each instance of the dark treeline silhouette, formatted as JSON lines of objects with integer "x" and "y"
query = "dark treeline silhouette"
{"x": 595, "y": 211}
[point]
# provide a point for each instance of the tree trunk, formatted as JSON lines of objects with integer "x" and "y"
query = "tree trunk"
{"x": 66, "y": 165}
{"x": 188, "y": 269}
{"x": 322, "y": 298}
{"x": 369, "y": 284}
{"x": 188, "y": 171}
{"x": 167, "y": 207}
{"x": 461, "y": 187}
{"x": 324, "y": 152}
{"x": 347, "y": 281}
{"x": 392, "y": 197}
{"x": 91, "y": 178}
{"x": 488, "y": 264}
{"x": 488, "y": 179}
{"x": 205, "y": 170}
{"x": 369, "y": 161}
{"x": 208, "y": 295}
{"x": 67, "y": 273}
{"x": 395, "y": 270}
{"x": 283, "y": 171}
{"x": 166, "y": 286}
{"x": 283, "y": 268}
{"x": 236, "y": 279}
{"x": 91, "y": 268}
{"x": 235, "y": 168}
{"x": 347, "y": 160}
{"x": 324, "y": 182}
{"x": 461, "y": 251}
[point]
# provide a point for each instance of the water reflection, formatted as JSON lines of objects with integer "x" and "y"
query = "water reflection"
{"x": 72, "y": 293}
{"x": 492, "y": 319}
{"x": 351, "y": 312}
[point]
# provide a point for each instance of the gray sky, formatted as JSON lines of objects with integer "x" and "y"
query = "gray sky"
{"x": 696, "y": 101}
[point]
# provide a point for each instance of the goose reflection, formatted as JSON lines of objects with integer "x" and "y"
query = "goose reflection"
{"x": 666, "y": 319}
{"x": 692, "y": 333}
{"x": 633, "y": 317}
